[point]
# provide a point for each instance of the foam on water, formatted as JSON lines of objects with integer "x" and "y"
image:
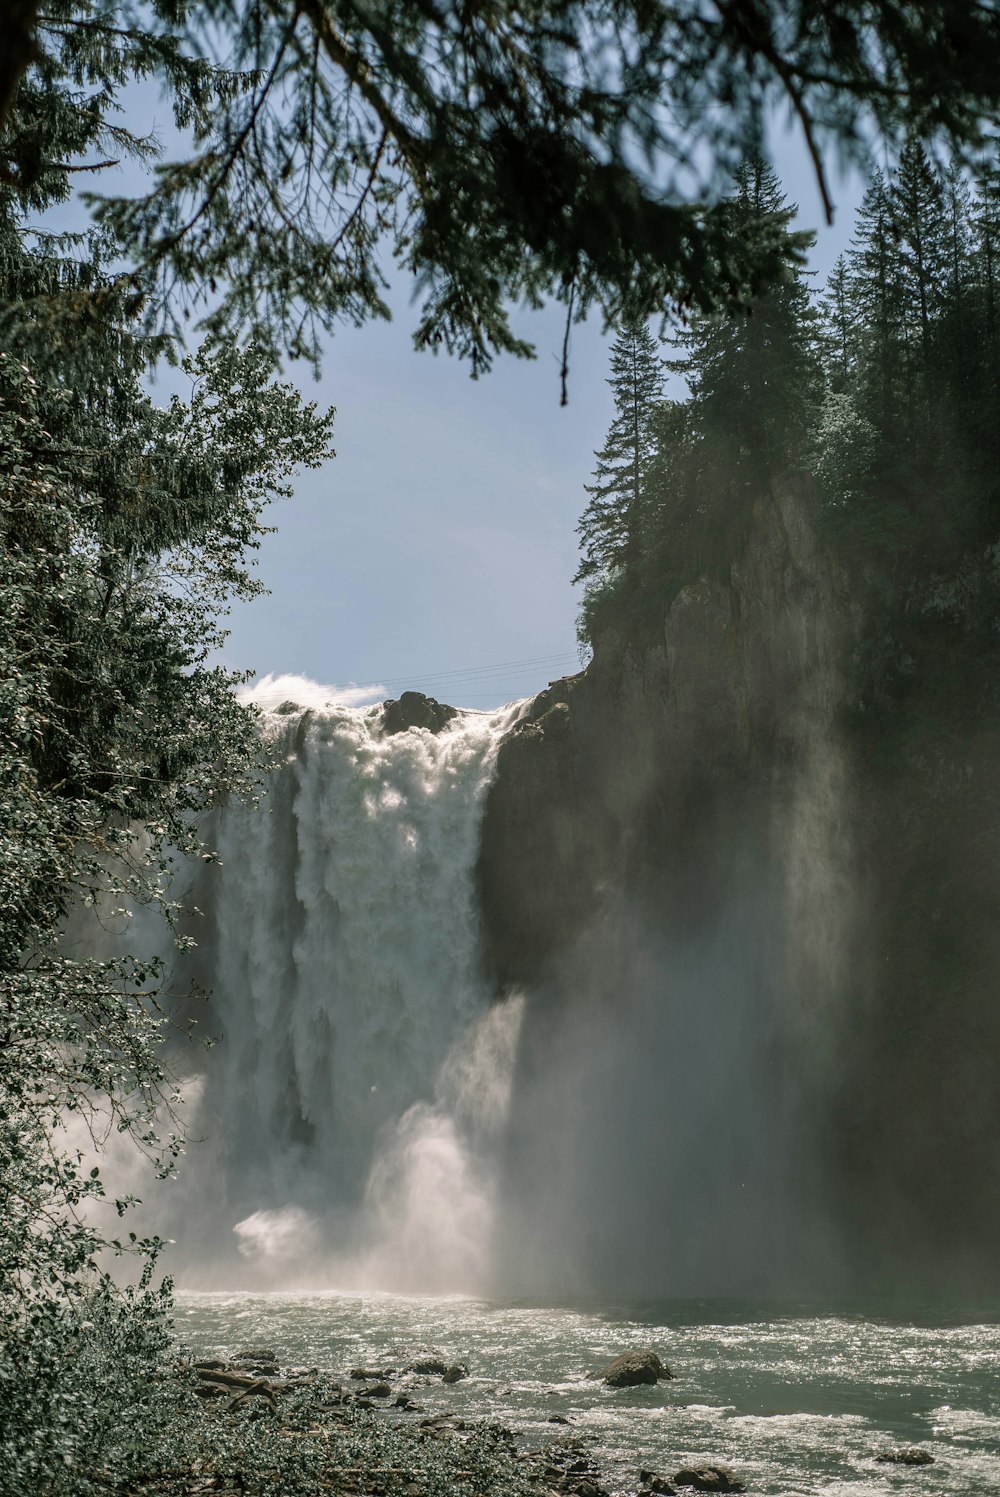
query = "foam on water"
{"x": 362, "y": 1075}
{"x": 794, "y": 1401}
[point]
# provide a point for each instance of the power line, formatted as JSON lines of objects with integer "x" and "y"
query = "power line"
{"x": 476, "y": 673}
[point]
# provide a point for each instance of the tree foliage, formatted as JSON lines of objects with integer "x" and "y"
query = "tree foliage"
{"x": 882, "y": 390}
{"x": 610, "y": 526}
{"x": 498, "y": 152}
{"x": 126, "y": 527}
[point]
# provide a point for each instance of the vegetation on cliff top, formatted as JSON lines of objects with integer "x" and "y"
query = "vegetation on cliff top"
{"x": 881, "y": 391}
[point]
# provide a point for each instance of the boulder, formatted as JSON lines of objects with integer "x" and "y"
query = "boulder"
{"x": 367, "y": 1374}
{"x": 415, "y": 710}
{"x": 908, "y": 1456}
{"x": 431, "y": 1366}
{"x": 404, "y": 1401}
{"x": 455, "y": 1373}
{"x": 633, "y": 1368}
{"x": 708, "y": 1479}
{"x": 652, "y": 1485}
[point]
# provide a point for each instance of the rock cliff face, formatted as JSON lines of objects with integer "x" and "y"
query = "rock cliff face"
{"x": 650, "y": 773}
{"x": 757, "y": 1046}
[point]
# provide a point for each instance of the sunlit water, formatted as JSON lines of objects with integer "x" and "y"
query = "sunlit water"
{"x": 796, "y": 1401}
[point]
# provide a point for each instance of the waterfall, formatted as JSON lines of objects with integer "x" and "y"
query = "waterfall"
{"x": 361, "y": 1072}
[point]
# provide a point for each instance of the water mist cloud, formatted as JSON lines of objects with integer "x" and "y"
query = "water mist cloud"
{"x": 271, "y": 690}
{"x": 279, "y": 1235}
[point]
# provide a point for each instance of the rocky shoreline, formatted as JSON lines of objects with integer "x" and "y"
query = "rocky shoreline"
{"x": 251, "y": 1425}
{"x": 256, "y": 1383}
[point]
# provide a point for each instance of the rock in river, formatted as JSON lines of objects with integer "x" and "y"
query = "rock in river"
{"x": 908, "y": 1456}
{"x": 708, "y": 1479}
{"x": 632, "y": 1368}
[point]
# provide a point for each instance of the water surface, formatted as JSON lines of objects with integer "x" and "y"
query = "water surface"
{"x": 797, "y": 1400}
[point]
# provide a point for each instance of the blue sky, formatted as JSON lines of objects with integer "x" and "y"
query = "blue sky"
{"x": 437, "y": 550}
{"x": 439, "y": 546}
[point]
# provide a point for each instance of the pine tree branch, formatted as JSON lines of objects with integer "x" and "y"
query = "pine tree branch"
{"x": 19, "y": 51}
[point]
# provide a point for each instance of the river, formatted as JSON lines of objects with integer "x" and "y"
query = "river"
{"x": 794, "y": 1399}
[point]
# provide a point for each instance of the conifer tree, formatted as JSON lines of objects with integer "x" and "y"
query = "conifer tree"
{"x": 921, "y": 231}
{"x": 753, "y": 375}
{"x": 877, "y": 298}
{"x": 838, "y": 325}
{"x": 610, "y": 526}
{"x": 500, "y": 151}
{"x": 986, "y": 257}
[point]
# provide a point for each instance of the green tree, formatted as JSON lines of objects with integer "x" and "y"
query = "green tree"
{"x": 610, "y": 527}
{"x": 838, "y": 326}
{"x": 125, "y": 530}
{"x": 877, "y": 296}
{"x": 497, "y": 151}
{"x": 920, "y": 229}
{"x": 754, "y": 380}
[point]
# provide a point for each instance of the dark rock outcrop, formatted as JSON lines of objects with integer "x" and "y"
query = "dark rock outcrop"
{"x": 633, "y": 1368}
{"x": 761, "y": 840}
{"x": 708, "y": 1479}
{"x": 429, "y": 1366}
{"x": 652, "y": 1485}
{"x": 911, "y": 1455}
{"x": 415, "y": 710}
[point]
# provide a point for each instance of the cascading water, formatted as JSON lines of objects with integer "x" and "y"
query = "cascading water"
{"x": 361, "y": 1070}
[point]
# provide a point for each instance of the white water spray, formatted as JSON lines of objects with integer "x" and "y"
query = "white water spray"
{"x": 362, "y": 1073}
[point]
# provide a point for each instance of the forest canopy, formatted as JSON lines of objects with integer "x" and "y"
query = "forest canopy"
{"x": 879, "y": 391}
{"x": 499, "y": 153}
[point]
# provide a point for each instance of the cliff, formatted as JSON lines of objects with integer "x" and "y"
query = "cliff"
{"x": 748, "y": 876}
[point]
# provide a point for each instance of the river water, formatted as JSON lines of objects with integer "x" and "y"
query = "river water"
{"x": 795, "y": 1399}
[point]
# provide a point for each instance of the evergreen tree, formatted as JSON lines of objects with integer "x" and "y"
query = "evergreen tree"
{"x": 878, "y": 299}
{"x": 753, "y": 374}
{"x": 920, "y": 229}
{"x": 610, "y": 527}
{"x": 838, "y": 326}
{"x": 754, "y": 378}
{"x": 498, "y": 151}
{"x": 986, "y": 262}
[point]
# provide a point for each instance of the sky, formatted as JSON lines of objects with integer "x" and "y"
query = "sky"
{"x": 436, "y": 551}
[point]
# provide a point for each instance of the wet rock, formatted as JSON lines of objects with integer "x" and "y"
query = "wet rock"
{"x": 377, "y": 1390}
{"x": 570, "y": 1471}
{"x": 708, "y": 1479}
{"x": 652, "y": 1485}
{"x": 455, "y": 1373}
{"x": 559, "y": 1419}
{"x": 429, "y": 1365}
{"x": 442, "y": 1426}
{"x": 415, "y": 710}
{"x": 210, "y": 1364}
{"x": 906, "y": 1456}
{"x": 404, "y": 1401}
{"x": 368, "y": 1374}
{"x": 256, "y": 1354}
{"x": 633, "y": 1368}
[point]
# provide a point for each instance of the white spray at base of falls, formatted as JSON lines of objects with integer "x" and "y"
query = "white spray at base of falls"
{"x": 361, "y": 1073}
